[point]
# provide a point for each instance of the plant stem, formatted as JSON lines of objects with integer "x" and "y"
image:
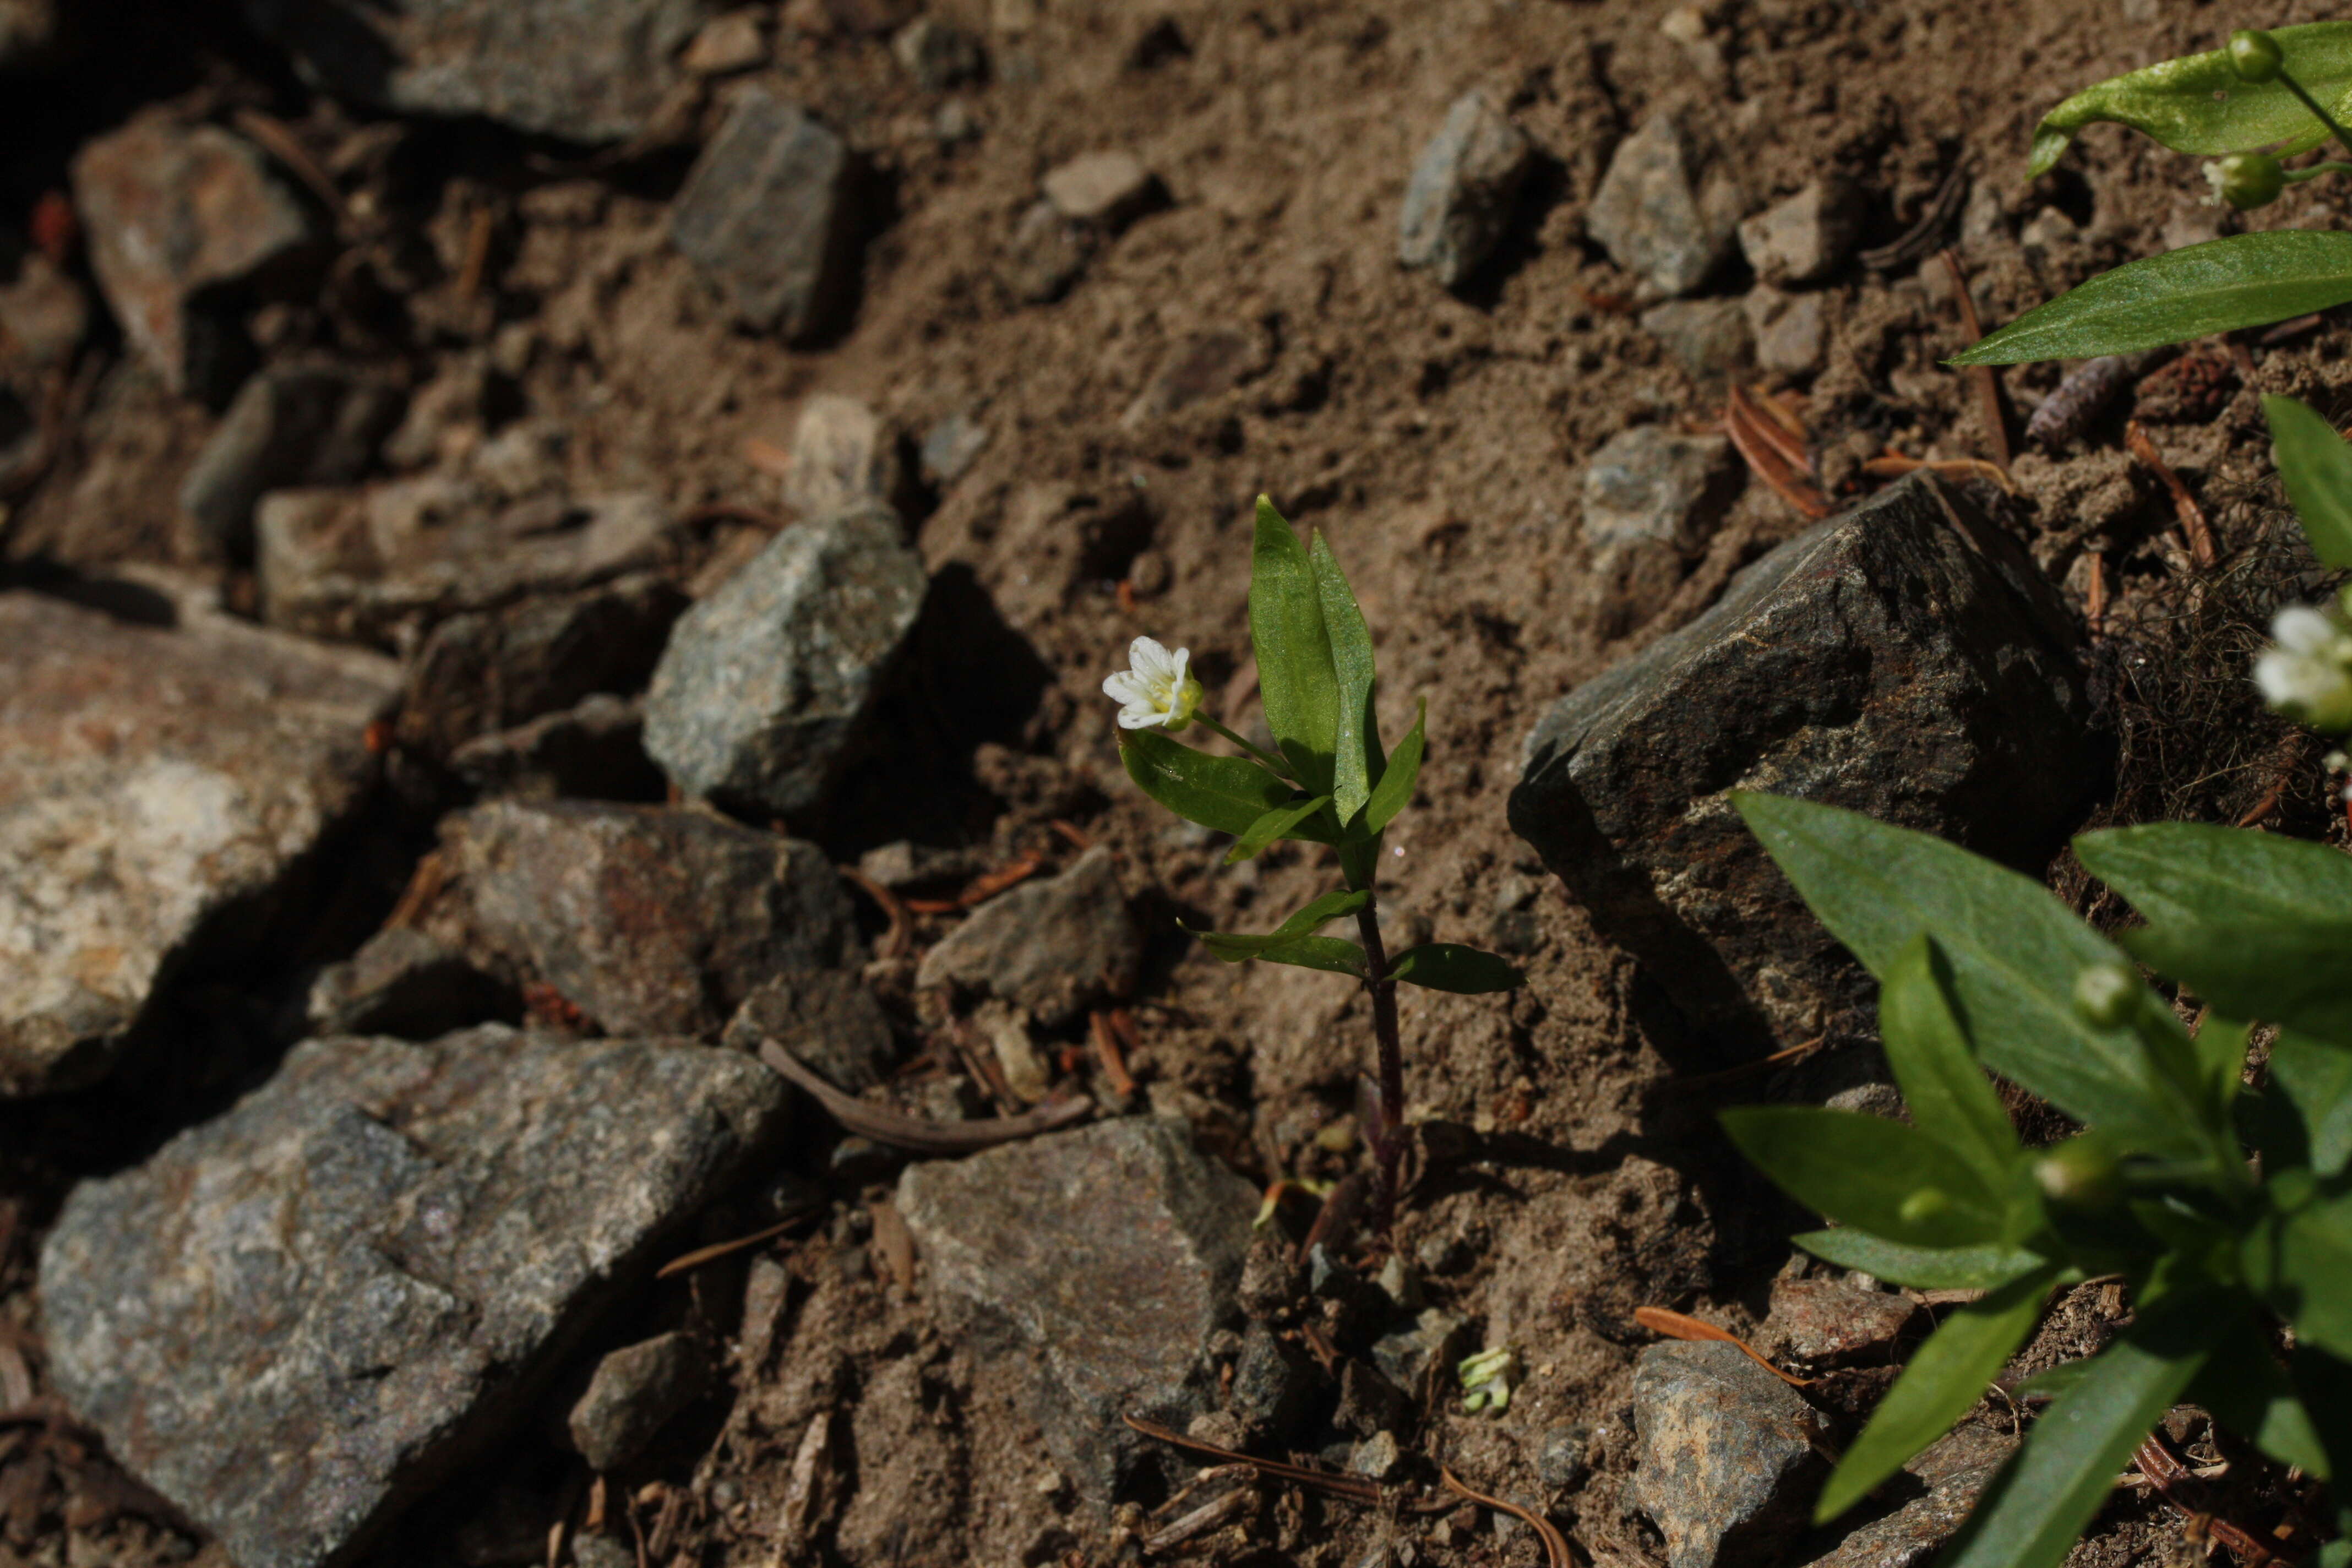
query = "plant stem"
{"x": 1279, "y": 769}
{"x": 1389, "y": 1148}
{"x": 2312, "y": 103}
{"x": 2333, "y": 166}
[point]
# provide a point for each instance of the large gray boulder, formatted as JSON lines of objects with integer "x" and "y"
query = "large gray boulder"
{"x": 163, "y": 792}
{"x": 299, "y": 1316}
{"x": 1906, "y": 660}
{"x": 761, "y": 693}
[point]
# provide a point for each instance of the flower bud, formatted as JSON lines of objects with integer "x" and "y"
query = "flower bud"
{"x": 2250, "y": 180}
{"x": 2080, "y": 1173}
{"x": 2107, "y": 995}
{"x": 2255, "y": 56}
{"x": 1923, "y": 1204}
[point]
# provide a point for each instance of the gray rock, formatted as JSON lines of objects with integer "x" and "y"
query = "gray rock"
{"x": 407, "y": 984}
{"x": 1046, "y": 253}
{"x": 1368, "y": 1403}
{"x": 1727, "y": 1465}
{"x": 938, "y": 54}
{"x": 845, "y": 458}
{"x": 296, "y": 1317}
{"x": 1956, "y": 1469}
{"x": 594, "y": 751}
{"x": 1377, "y": 1456}
{"x": 493, "y": 669}
{"x": 634, "y": 1392}
{"x": 649, "y": 921}
{"x": 951, "y": 447}
{"x": 1668, "y": 210}
{"x": 1108, "y": 190}
{"x": 1652, "y": 498}
{"x": 1049, "y": 945}
{"x": 726, "y": 45}
{"x": 1027, "y": 1245}
{"x": 759, "y": 699}
{"x": 1563, "y": 1454}
{"x": 382, "y": 565}
{"x": 826, "y": 1018}
{"x": 1806, "y": 237}
{"x": 179, "y": 219}
{"x": 1710, "y": 339}
{"x": 1904, "y": 659}
{"x": 585, "y": 70}
{"x": 290, "y": 426}
{"x": 1828, "y": 1321}
{"x": 1791, "y": 330}
{"x": 1428, "y": 1348}
{"x": 161, "y": 790}
{"x": 1274, "y": 1384}
{"x": 1459, "y": 201}
{"x": 769, "y": 212}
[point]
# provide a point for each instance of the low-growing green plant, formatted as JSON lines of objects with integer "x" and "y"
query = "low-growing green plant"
{"x": 1328, "y": 781}
{"x": 2227, "y": 1209}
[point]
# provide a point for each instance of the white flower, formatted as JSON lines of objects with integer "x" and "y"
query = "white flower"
{"x": 1158, "y": 690}
{"x": 2309, "y": 676}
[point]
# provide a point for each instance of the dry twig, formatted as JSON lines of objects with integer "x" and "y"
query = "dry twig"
{"x": 1984, "y": 377}
{"x": 1762, "y": 442}
{"x": 1355, "y": 1488}
{"x": 913, "y": 1132}
{"x": 1555, "y": 1543}
{"x": 1678, "y": 1326}
{"x": 2184, "y": 505}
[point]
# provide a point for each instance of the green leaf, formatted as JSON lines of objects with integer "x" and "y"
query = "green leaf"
{"x": 2196, "y": 104}
{"x": 1279, "y": 823}
{"x": 1882, "y": 1176}
{"x": 2316, "y": 1080}
{"x": 1448, "y": 966}
{"x": 1234, "y": 946}
{"x": 1923, "y": 1267}
{"x": 1326, "y": 953}
{"x": 1946, "y": 1377}
{"x": 1296, "y": 681}
{"x": 2031, "y": 1515}
{"x": 2244, "y": 280}
{"x": 1949, "y": 1097}
{"x": 1228, "y": 793}
{"x": 2181, "y": 873}
{"x": 1358, "y": 757}
{"x": 2052, "y": 1381}
{"x": 2301, "y": 1264}
{"x": 2014, "y": 953}
{"x": 2291, "y": 972}
{"x": 2248, "y": 1392}
{"x": 2315, "y": 465}
{"x": 1397, "y": 779}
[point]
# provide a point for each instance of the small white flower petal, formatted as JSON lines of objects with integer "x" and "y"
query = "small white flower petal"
{"x": 2304, "y": 630}
{"x": 1126, "y": 687}
{"x": 1150, "y": 659}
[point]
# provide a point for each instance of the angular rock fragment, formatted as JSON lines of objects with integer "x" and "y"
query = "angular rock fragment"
{"x": 1791, "y": 330}
{"x": 951, "y": 447}
{"x": 726, "y": 45}
{"x": 650, "y": 922}
{"x": 844, "y": 455}
{"x": 769, "y": 214}
{"x": 1109, "y": 1254}
{"x": 938, "y": 54}
{"x": 382, "y": 565}
{"x": 826, "y": 1018}
{"x": 289, "y": 427}
{"x": 1651, "y": 501}
{"x": 1204, "y": 365}
{"x": 585, "y": 70}
{"x": 1459, "y": 202}
{"x": 294, "y": 1319}
{"x": 1806, "y": 237}
{"x": 1728, "y": 1462}
{"x": 1708, "y": 338}
{"x": 1905, "y": 660}
{"x": 1046, "y": 253}
{"x": 1668, "y": 209}
{"x": 405, "y": 983}
{"x": 1954, "y": 1470}
{"x": 162, "y": 791}
{"x": 1828, "y": 1321}
{"x": 760, "y": 698}
{"x": 180, "y": 216}
{"x": 1108, "y": 189}
{"x": 494, "y": 669}
{"x": 1050, "y": 946}
{"x": 633, "y": 1393}
{"x": 594, "y": 751}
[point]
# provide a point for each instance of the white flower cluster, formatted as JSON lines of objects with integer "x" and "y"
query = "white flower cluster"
{"x": 2308, "y": 675}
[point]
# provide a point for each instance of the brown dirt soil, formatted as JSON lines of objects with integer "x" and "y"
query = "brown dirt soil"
{"x": 1439, "y": 441}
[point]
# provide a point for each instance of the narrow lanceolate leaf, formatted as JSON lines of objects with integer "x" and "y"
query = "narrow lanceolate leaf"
{"x": 1297, "y": 681}
{"x": 1864, "y": 1170}
{"x": 2014, "y": 953}
{"x": 2315, "y": 465}
{"x": 2178, "y": 872}
{"x": 1944, "y": 1378}
{"x": 1326, "y": 953}
{"x": 2317, "y": 1078}
{"x": 2196, "y": 104}
{"x": 2245, "y": 280}
{"x": 1233, "y": 946}
{"x": 1282, "y": 822}
{"x": 1403, "y": 772}
{"x": 2301, "y": 1264}
{"x": 2284, "y": 971}
{"x": 1950, "y": 1096}
{"x": 1228, "y": 793}
{"x": 2034, "y": 1511}
{"x": 1448, "y": 966}
{"x": 2248, "y": 1392}
{"x": 1923, "y": 1267}
{"x": 1357, "y": 759}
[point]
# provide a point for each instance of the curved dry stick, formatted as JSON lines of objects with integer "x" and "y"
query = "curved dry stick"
{"x": 1555, "y": 1543}
{"x": 914, "y": 1133}
{"x": 1681, "y": 1326}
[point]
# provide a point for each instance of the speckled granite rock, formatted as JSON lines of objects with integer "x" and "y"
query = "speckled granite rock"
{"x": 1458, "y": 203}
{"x": 1954, "y": 1470}
{"x": 1728, "y": 1464}
{"x": 188, "y": 772}
{"x": 298, "y": 1317}
{"x": 1109, "y": 1254}
{"x": 1048, "y": 945}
